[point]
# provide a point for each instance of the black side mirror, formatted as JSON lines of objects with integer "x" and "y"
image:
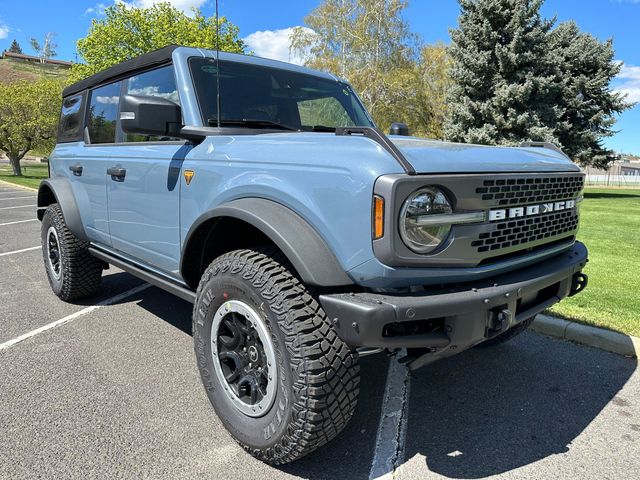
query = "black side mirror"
{"x": 150, "y": 116}
{"x": 398, "y": 128}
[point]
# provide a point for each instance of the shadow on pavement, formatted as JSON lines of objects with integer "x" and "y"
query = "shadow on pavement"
{"x": 349, "y": 455}
{"x": 493, "y": 410}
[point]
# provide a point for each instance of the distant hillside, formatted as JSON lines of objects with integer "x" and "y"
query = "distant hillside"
{"x": 12, "y": 70}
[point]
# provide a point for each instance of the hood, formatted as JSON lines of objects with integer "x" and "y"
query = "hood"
{"x": 431, "y": 156}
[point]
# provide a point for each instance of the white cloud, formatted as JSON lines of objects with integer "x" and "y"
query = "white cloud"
{"x": 273, "y": 44}
{"x": 4, "y": 31}
{"x": 113, "y": 100}
{"x": 184, "y": 5}
{"x": 98, "y": 9}
{"x": 628, "y": 82}
{"x": 154, "y": 91}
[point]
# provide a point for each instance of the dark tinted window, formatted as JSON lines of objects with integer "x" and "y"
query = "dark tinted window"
{"x": 71, "y": 121}
{"x": 251, "y": 92}
{"x": 103, "y": 112}
{"x": 154, "y": 83}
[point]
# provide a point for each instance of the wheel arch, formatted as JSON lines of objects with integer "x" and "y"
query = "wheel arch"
{"x": 258, "y": 221}
{"x": 58, "y": 190}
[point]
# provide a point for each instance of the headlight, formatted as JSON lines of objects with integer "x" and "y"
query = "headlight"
{"x": 420, "y": 231}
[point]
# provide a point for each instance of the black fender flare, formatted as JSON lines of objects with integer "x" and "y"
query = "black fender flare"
{"x": 307, "y": 251}
{"x": 62, "y": 192}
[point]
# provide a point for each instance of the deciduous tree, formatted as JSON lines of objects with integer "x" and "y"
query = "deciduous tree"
{"x": 28, "y": 117}
{"x": 368, "y": 43}
{"x": 126, "y": 32}
{"x": 46, "y": 49}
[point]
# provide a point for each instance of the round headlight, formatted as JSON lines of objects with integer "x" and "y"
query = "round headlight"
{"x": 417, "y": 230}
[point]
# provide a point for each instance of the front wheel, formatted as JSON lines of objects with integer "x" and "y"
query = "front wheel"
{"x": 279, "y": 378}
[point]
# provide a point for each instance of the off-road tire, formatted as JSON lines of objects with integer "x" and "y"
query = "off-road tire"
{"x": 508, "y": 335}
{"x": 318, "y": 374}
{"x": 80, "y": 271}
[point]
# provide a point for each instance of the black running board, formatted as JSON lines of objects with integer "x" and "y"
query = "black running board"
{"x": 149, "y": 277}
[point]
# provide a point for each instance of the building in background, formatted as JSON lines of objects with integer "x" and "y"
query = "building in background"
{"x": 625, "y": 170}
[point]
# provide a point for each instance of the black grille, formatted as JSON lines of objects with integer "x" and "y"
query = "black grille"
{"x": 520, "y": 191}
{"x": 527, "y": 230}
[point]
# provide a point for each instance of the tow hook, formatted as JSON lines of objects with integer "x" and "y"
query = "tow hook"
{"x": 578, "y": 283}
{"x": 499, "y": 321}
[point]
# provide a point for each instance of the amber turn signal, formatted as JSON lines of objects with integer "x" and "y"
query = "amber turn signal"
{"x": 378, "y": 217}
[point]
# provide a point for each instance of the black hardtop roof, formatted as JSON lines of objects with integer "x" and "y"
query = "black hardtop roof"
{"x": 151, "y": 59}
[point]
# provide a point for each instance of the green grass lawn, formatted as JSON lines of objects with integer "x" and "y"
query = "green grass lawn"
{"x": 32, "y": 174}
{"x": 610, "y": 227}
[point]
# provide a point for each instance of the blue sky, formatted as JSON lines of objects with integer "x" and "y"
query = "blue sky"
{"x": 265, "y": 24}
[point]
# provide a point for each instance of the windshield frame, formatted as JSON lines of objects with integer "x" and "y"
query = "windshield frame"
{"x": 203, "y": 99}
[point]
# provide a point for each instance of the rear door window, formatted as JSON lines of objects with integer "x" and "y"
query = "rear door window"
{"x": 103, "y": 113}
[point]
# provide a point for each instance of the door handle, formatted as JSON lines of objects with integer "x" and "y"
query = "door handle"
{"x": 76, "y": 169}
{"x": 117, "y": 173}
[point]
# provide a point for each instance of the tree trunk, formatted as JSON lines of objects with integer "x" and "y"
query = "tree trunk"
{"x": 15, "y": 165}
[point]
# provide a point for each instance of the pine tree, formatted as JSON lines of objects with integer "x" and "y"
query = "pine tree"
{"x": 15, "y": 47}
{"x": 585, "y": 68}
{"x": 504, "y": 88}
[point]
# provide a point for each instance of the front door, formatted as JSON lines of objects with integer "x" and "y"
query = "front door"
{"x": 143, "y": 183}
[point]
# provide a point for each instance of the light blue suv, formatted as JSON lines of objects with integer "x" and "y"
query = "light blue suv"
{"x": 264, "y": 194}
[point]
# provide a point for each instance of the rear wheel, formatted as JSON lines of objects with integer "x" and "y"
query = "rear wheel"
{"x": 508, "y": 335}
{"x": 72, "y": 271}
{"x": 280, "y": 379}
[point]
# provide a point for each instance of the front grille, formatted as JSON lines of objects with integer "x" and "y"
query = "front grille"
{"x": 521, "y": 191}
{"x": 523, "y": 231}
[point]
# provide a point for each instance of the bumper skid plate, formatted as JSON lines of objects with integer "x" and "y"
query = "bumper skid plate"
{"x": 454, "y": 318}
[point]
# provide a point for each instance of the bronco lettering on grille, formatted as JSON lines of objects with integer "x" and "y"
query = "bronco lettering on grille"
{"x": 505, "y": 213}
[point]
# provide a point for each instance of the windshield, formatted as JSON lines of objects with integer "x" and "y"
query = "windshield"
{"x": 271, "y": 98}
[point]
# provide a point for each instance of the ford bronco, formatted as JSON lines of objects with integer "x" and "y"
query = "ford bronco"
{"x": 263, "y": 193}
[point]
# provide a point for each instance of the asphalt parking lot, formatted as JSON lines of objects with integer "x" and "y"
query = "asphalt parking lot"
{"x": 114, "y": 393}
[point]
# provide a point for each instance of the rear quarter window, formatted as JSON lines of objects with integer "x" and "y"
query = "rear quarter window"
{"x": 72, "y": 118}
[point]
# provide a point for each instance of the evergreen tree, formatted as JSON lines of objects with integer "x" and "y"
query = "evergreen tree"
{"x": 585, "y": 68}
{"x": 504, "y": 88}
{"x": 515, "y": 78}
{"x": 15, "y": 47}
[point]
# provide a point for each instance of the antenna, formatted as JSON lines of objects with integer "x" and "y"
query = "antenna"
{"x": 217, "y": 65}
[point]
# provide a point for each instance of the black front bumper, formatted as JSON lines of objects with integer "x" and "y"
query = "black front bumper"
{"x": 456, "y": 318}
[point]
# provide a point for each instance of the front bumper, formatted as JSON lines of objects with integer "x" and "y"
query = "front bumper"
{"x": 455, "y": 318}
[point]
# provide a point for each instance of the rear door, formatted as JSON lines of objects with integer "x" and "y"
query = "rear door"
{"x": 82, "y": 163}
{"x": 143, "y": 183}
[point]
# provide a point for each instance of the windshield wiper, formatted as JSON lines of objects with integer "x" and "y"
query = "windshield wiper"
{"x": 252, "y": 123}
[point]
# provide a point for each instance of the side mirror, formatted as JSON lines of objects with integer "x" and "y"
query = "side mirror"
{"x": 398, "y": 128}
{"x": 148, "y": 115}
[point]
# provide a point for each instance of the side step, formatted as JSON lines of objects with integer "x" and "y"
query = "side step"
{"x": 146, "y": 275}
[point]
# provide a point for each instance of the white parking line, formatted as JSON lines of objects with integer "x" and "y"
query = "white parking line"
{"x": 20, "y": 251}
{"x": 16, "y": 198}
{"x": 19, "y": 206}
{"x": 18, "y": 221}
{"x": 392, "y": 429}
{"x": 73, "y": 316}
{"x": 8, "y": 192}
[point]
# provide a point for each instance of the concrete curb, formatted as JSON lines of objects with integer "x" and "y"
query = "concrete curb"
{"x": 2, "y": 182}
{"x": 614, "y": 342}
